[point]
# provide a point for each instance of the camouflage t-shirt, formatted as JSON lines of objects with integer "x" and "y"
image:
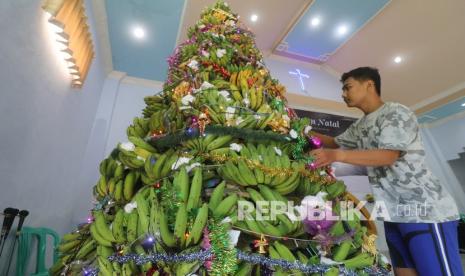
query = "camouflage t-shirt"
{"x": 407, "y": 189}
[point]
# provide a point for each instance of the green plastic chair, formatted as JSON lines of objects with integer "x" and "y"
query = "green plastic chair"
{"x": 24, "y": 248}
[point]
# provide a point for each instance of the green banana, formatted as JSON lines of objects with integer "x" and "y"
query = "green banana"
{"x": 143, "y": 210}
{"x": 118, "y": 194}
{"x": 246, "y": 173}
{"x": 139, "y": 142}
{"x": 219, "y": 142}
{"x": 342, "y": 251}
{"x": 198, "y": 226}
{"x": 166, "y": 235}
{"x": 156, "y": 172}
{"x": 117, "y": 227}
{"x": 101, "y": 226}
{"x": 68, "y": 246}
{"x": 195, "y": 190}
{"x": 105, "y": 267}
{"x": 217, "y": 196}
{"x": 70, "y": 236}
{"x": 98, "y": 237}
{"x": 131, "y": 226}
{"x": 129, "y": 184}
{"x": 167, "y": 167}
{"x": 181, "y": 184}
{"x": 181, "y": 224}
{"x": 273, "y": 253}
{"x": 225, "y": 206}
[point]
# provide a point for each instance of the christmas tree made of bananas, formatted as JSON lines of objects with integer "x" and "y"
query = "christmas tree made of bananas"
{"x": 219, "y": 133}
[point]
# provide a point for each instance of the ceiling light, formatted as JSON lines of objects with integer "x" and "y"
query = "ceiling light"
{"x": 254, "y": 17}
{"x": 315, "y": 22}
{"x": 342, "y": 30}
{"x": 138, "y": 32}
{"x": 397, "y": 59}
{"x": 463, "y": 104}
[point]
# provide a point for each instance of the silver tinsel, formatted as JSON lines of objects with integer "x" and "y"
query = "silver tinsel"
{"x": 251, "y": 258}
{"x": 157, "y": 257}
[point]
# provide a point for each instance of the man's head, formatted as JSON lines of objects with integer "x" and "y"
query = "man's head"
{"x": 360, "y": 84}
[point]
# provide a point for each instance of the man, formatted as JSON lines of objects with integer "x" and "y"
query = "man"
{"x": 421, "y": 226}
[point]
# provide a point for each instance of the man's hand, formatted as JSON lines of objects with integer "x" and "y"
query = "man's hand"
{"x": 324, "y": 157}
{"x": 371, "y": 158}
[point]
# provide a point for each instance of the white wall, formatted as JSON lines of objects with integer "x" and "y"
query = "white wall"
{"x": 44, "y": 123}
{"x": 129, "y": 104}
{"x": 321, "y": 82}
{"x": 443, "y": 142}
{"x": 121, "y": 100}
{"x": 450, "y": 136}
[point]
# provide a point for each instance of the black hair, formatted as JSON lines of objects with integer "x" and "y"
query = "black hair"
{"x": 364, "y": 74}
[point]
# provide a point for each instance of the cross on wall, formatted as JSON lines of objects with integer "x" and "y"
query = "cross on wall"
{"x": 301, "y": 76}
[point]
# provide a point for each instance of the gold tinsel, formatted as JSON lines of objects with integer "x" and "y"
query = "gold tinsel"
{"x": 181, "y": 90}
{"x": 314, "y": 176}
{"x": 279, "y": 125}
{"x": 369, "y": 244}
{"x": 221, "y": 14}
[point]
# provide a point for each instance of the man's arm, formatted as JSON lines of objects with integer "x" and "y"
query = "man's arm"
{"x": 370, "y": 158}
{"x": 328, "y": 141}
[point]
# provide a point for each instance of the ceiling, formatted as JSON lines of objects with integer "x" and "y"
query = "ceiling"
{"x": 428, "y": 35}
{"x": 327, "y": 25}
{"x": 144, "y": 58}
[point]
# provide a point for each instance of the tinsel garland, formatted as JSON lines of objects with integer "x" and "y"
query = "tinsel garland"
{"x": 169, "y": 141}
{"x": 201, "y": 256}
{"x": 204, "y": 255}
{"x": 224, "y": 260}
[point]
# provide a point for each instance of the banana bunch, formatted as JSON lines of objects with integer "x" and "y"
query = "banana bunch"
{"x": 240, "y": 174}
{"x": 130, "y": 158}
{"x": 279, "y": 251}
{"x": 221, "y": 84}
{"x": 223, "y": 61}
{"x": 238, "y": 75}
{"x": 307, "y": 187}
{"x": 108, "y": 167}
{"x": 280, "y": 226}
{"x": 139, "y": 128}
{"x": 266, "y": 119}
{"x": 251, "y": 88}
{"x": 342, "y": 227}
{"x": 361, "y": 260}
{"x": 100, "y": 230}
{"x": 335, "y": 189}
{"x": 62, "y": 262}
{"x": 102, "y": 187}
{"x": 156, "y": 121}
{"x": 105, "y": 266}
{"x": 142, "y": 148}
{"x": 70, "y": 242}
{"x": 221, "y": 206}
{"x": 156, "y": 167}
{"x": 154, "y": 104}
{"x": 208, "y": 143}
{"x": 235, "y": 92}
{"x": 245, "y": 174}
{"x": 154, "y": 218}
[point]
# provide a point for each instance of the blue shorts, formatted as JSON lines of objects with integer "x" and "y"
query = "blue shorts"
{"x": 430, "y": 248}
